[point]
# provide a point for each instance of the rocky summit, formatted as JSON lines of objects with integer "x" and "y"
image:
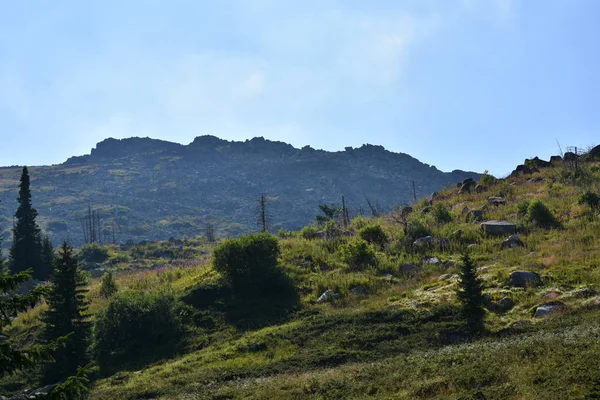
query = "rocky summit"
{"x": 147, "y": 189}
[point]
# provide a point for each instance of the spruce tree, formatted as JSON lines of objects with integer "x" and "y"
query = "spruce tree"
{"x": 26, "y": 248}
{"x": 47, "y": 257}
{"x": 470, "y": 295}
{"x": 66, "y": 315}
{"x": 11, "y": 358}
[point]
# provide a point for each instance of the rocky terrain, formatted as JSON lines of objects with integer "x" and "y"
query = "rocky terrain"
{"x": 148, "y": 189}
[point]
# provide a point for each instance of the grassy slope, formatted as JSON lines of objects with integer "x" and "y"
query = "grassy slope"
{"x": 396, "y": 341}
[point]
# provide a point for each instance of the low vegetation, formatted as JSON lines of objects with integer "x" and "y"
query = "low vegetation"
{"x": 417, "y": 304}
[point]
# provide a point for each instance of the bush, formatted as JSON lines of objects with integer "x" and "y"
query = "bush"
{"x": 487, "y": 180}
{"x": 108, "y": 286}
{"x": 374, "y": 234}
{"x": 590, "y": 199}
{"x": 522, "y": 208}
{"x": 309, "y": 232}
{"x": 93, "y": 252}
{"x": 358, "y": 254}
{"x": 246, "y": 262}
{"x": 441, "y": 214}
{"x": 539, "y": 214}
{"x": 136, "y": 327}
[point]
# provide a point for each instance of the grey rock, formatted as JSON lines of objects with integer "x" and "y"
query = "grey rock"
{"x": 432, "y": 261}
{"x": 513, "y": 241}
{"x": 498, "y": 227}
{"x": 449, "y": 264}
{"x": 466, "y": 186}
{"x": 410, "y": 269}
{"x": 328, "y": 295}
{"x": 480, "y": 189}
{"x": 444, "y": 277}
{"x": 505, "y": 304}
{"x": 524, "y": 279}
{"x": 426, "y": 241}
{"x": 496, "y": 201}
{"x": 546, "y": 310}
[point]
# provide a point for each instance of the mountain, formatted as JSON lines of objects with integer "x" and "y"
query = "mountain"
{"x": 151, "y": 189}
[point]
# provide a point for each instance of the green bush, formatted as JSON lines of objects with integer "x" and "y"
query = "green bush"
{"x": 309, "y": 232}
{"x": 590, "y": 199}
{"x": 522, "y": 208}
{"x": 487, "y": 180}
{"x": 539, "y": 214}
{"x": 246, "y": 262}
{"x": 93, "y": 252}
{"x": 108, "y": 285}
{"x": 374, "y": 234}
{"x": 441, "y": 214}
{"x": 358, "y": 254}
{"x": 136, "y": 327}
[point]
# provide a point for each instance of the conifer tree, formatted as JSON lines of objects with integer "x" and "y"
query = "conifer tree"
{"x": 13, "y": 359}
{"x": 47, "y": 257}
{"x": 470, "y": 295}
{"x": 66, "y": 315}
{"x": 26, "y": 249}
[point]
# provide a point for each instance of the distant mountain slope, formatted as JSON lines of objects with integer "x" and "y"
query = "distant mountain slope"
{"x": 154, "y": 189}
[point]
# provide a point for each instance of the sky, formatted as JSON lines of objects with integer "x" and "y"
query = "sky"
{"x": 459, "y": 84}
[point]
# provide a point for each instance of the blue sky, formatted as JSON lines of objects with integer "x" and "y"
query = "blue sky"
{"x": 469, "y": 84}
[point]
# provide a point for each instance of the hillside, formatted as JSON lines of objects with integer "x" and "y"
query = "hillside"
{"x": 151, "y": 189}
{"x": 390, "y": 327}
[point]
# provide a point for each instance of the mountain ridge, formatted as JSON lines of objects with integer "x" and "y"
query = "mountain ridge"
{"x": 153, "y": 189}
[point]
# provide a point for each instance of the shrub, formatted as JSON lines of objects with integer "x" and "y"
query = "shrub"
{"x": 590, "y": 199}
{"x": 374, "y": 234}
{"x": 358, "y": 253}
{"x": 487, "y": 180}
{"x": 359, "y": 222}
{"x": 441, "y": 214}
{"x": 93, "y": 252}
{"x": 415, "y": 229}
{"x": 522, "y": 208}
{"x": 539, "y": 214}
{"x": 136, "y": 327}
{"x": 108, "y": 285}
{"x": 245, "y": 262}
{"x": 309, "y": 232}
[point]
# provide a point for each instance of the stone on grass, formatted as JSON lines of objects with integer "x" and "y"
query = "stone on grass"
{"x": 498, "y": 227}
{"x": 328, "y": 295}
{"x": 553, "y": 295}
{"x": 546, "y": 310}
{"x": 504, "y": 304}
{"x": 426, "y": 241}
{"x": 524, "y": 279}
{"x": 449, "y": 264}
{"x": 496, "y": 201}
{"x": 512, "y": 242}
{"x": 409, "y": 269}
{"x": 444, "y": 277}
{"x": 432, "y": 261}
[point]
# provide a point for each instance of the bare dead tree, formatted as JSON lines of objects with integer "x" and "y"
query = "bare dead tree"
{"x": 210, "y": 232}
{"x": 345, "y": 213}
{"x": 263, "y": 215}
{"x": 414, "y": 188}
{"x": 373, "y": 207}
{"x": 91, "y": 226}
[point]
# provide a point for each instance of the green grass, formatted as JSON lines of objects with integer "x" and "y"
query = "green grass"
{"x": 400, "y": 335}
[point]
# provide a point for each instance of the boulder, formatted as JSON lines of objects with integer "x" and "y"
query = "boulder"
{"x": 505, "y": 304}
{"x": 432, "y": 261}
{"x": 556, "y": 159}
{"x": 569, "y": 156}
{"x": 444, "y": 277}
{"x": 426, "y": 241}
{"x": 594, "y": 154}
{"x": 513, "y": 241}
{"x": 479, "y": 189}
{"x": 466, "y": 186}
{"x": 524, "y": 279}
{"x": 328, "y": 295}
{"x": 496, "y": 201}
{"x": 449, "y": 264}
{"x": 410, "y": 269}
{"x": 547, "y": 310}
{"x": 498, "y": 227}
{"x": 536, "y": 162}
